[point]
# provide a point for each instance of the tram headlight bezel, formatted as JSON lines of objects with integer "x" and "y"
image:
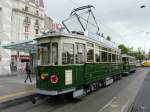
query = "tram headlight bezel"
{"x": 43, "y": 76}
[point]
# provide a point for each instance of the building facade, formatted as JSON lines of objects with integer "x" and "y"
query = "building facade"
{"x": 20, "y": 20}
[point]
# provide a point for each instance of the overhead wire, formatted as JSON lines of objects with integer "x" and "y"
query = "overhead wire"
{"x": 104, "y": 26}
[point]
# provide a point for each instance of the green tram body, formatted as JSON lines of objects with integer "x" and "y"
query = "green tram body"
{"x": 73, "y": 77}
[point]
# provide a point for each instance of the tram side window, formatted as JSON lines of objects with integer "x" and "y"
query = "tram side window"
{"x": 109, "y": 57}
{"x": 80, "y": 53}
{"x": 54, "y": 53}
{"x": 68, "y": 54}
{"x": 118, "y": 58}
{"x": 90, "y": 55}
{"x": 104, "y": 56}
{"x": 90, "y": 52}
{"x": 113, "y": 58}
{"x": 124, "y": 60}
{"x": 97, "y": 54}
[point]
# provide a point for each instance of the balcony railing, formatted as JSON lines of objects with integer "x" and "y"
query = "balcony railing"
{"x": 27, "y": 21}
{"x": 35, "y": 14}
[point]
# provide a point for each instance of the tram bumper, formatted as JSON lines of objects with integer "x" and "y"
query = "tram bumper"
{"x": 53, "y": 93}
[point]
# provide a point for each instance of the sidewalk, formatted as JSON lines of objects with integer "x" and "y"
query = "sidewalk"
{"x": 13, "y": 88}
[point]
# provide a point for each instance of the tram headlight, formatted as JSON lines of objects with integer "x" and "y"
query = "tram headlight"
{"x": 54, "y": 79}
{"x": 42, "y": 76}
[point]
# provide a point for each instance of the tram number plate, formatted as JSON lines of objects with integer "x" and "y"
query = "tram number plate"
{"x": 68, "y": 77}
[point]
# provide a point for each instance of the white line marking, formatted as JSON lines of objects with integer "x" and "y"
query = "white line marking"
{"x": 107, "y": 104}
{"x": 124, "y": 107}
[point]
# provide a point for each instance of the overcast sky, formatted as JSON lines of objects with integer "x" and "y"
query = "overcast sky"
{"x": 123, "y": 20}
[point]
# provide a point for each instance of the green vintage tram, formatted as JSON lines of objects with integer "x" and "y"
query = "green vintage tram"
{"x": 129, "y": 64}
{"x": 77, "y": 62}
{"x": 74, "y": 63}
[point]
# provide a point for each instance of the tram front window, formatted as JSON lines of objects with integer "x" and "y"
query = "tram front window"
{"x": 48, "y": 54}
{"x": 54, "y": 53}
{"x": 44, "y": 54}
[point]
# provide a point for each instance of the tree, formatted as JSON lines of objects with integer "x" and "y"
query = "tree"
{"x": 124, "y": 49}
{"x": 108, "y": 38}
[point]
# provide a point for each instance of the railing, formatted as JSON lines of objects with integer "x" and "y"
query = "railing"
{"x": 35, "y": 14}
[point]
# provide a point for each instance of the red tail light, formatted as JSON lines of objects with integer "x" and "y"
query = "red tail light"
{"x": 54, "y": 79}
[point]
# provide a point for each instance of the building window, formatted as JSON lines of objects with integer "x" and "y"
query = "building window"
{"x": 26, "y": 8}
{"x": 37, "y": 22}
{"x": 37, "y": 12}
{"x": 36, "y": 31}
{"x": 68, "y": 54}
{"x": 27, "y": 21}
{"x": 26, "y": 29}
{"x": 80, "y": 53}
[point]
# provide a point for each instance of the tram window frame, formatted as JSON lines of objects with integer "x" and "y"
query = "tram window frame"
{"x": 124, "y": 60}
{"x": 44, "y": 54}
{"x": 79, "y": 48}
{"x": 97, "y": 54}
{"x": 54, "y": 53}
{"x": 71, "y": 61}
{"x": 109, "y": 57}
{"x": 113, "y": 57}
{"x": 105, "y": 58}
{"x": 118, "y": 58}
{"x": 90, "y": 52}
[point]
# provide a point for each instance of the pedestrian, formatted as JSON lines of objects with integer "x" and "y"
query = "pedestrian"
{"x": 28, "y": 72}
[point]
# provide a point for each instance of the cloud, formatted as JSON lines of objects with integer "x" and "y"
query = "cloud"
{"x": 123, "y": 20}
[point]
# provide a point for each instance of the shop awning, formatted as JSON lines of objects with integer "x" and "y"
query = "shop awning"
{"x": 26, "y": 46}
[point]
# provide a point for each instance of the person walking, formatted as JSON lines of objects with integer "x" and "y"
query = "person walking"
{"x": 28, "y": 71}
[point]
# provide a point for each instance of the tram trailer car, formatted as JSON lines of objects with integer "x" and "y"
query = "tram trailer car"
{"x": 129, "y": 64}
{"x": 75, "y": 64}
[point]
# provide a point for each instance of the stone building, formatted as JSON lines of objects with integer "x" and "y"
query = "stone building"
{"x": 20, "y": 20}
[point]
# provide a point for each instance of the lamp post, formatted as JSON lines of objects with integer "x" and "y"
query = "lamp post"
{"x": 143, "y": 6}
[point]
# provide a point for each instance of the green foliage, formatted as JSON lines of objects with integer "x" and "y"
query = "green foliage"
{"x": 124, "y": 49}
{"x": 139, "y": 55}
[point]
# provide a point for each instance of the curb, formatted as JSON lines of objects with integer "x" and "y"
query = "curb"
{"x": 8, "y": 75}
{"x": 16, "y": 101}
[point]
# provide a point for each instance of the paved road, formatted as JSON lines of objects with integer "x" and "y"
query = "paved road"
{"x": 100, "y": 101}
{"x": 142, "y": 100}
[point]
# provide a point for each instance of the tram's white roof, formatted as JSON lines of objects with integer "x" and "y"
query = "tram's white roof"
{"x": 125, "y": 55}
{"x": 92, "y": 38}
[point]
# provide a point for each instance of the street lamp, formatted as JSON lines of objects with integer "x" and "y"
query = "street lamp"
{"x": 142, "y": 6}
